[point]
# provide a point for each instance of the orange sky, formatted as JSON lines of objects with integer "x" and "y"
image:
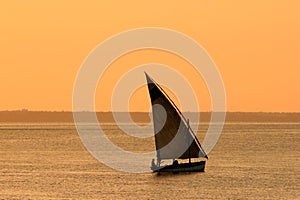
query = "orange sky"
{"x": 255, "y": 45}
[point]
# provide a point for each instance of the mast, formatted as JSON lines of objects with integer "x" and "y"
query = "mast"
{"x": 189, "y": 148}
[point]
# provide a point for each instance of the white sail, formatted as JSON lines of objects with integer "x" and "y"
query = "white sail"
{"x": 173, "y": 137}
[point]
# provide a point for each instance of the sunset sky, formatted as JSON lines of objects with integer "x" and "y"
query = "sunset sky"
{"x": 255, "y": 44}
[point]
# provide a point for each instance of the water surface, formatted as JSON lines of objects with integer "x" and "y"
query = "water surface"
{"x": 250, "y": 161}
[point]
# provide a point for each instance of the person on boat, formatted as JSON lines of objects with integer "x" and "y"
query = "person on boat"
{"x": 175, "y": 162}
{"x": 153, "y": 163}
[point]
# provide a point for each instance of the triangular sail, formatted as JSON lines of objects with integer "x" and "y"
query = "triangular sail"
{"x": 173, "y": 137}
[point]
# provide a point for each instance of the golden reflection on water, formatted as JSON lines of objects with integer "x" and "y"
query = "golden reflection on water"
{"x": 251, "y": 160}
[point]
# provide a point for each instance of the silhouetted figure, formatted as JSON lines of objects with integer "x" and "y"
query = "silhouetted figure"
{"x": 175, "y": 162}
{"x": 153, "y": 163}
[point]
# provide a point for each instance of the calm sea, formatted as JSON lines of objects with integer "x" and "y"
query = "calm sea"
{"x": 48, "y": 161}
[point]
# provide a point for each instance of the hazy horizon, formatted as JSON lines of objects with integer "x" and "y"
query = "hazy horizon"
{"x": 67, "y": 116}
{"x": 99, "y": 111}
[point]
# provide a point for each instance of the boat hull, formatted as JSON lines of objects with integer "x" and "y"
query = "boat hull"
{"x": 183, "y": 167}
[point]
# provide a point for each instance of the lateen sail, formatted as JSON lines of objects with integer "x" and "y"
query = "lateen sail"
{"x": 173, "y": 137}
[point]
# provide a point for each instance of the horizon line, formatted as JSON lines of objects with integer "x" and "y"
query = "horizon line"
{"x": 27, "y": 110}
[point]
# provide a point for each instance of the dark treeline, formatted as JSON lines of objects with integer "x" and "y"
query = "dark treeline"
{"x": 45, "y": 116}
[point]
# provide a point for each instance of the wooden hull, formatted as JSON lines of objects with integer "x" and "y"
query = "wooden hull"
{"x": 183, "y": 167}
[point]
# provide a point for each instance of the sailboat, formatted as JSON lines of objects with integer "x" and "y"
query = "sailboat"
{"x": 175, "y": 141}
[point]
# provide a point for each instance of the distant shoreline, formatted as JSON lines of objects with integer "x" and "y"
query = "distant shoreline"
{"x": 107, "y": 117}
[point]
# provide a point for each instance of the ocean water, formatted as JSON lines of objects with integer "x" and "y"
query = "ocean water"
{"x": 48, "y": 161}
